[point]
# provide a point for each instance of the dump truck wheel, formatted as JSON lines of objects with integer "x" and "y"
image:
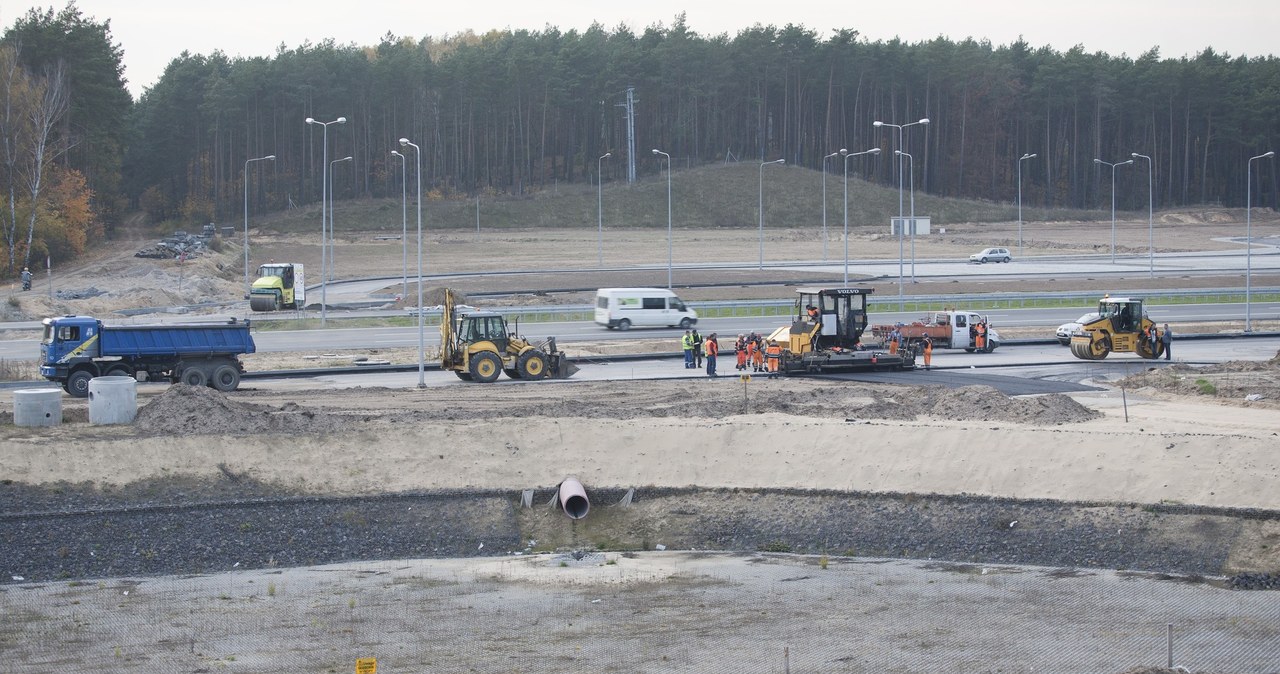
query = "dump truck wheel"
{"x": 193, "y": 376}
{"x": 78, "y": 383}
{"x": 532, "y": 364}
{"x": 120, "y": 371}
{"x": 225, "y": 378}
{"x": 485, "y": 367}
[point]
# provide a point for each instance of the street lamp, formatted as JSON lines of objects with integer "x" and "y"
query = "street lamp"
{"x": 1020, "y": 160}
{"x": 657, "y": 151}
{"x": 324, "y": 199}
{"x": 900, "y": 127}
{"x": 825, "y": 238}
{"x": 912, "y": 170}
{"x": 404, "y": 227}
{"x": 1113, "y": 201}
{"x": 331, "y": 200}
{"x": 1151, "y": 231}
{"x": 269, "y": 157}
{"x": 422, "y": 335}
{"x": 761, "y": 208}
{"x": 600, "y": 207}
{"x": 1248, "y": 235}
{"x": 874, "y": 150}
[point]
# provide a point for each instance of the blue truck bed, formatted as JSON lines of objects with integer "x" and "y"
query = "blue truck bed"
{"x": 186, "y": 340}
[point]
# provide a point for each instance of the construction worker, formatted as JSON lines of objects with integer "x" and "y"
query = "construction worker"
{"x": 686, "y": 343}
{"x": 712, "y": 348}
{"x": 980, "y": 340}
{"x": 26, "y": 278}
{"x": 928, "y": 351}
{"x": 814, "y": 315}
{"x": 697, "y": 349}
{"x": 740, "y": 350}
{"x": 1166, "y": 338}
{"x": 894, "y": 338}
{"x": 758, "y": 362}
{"x": 773, "y": 353}
{"x": 751, "y": 345}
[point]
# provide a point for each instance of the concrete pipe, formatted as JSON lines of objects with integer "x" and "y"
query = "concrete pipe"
{"x": 37, "y": 407}
{"x": 573, "y": 498}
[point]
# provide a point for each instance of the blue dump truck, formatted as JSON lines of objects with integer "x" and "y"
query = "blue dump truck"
{"x": 75, "y": 349}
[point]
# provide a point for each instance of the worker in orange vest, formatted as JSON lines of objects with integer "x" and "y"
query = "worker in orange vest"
{"x": 774, "y": 354}
{"x": 712, "y": 348}
{"x": 758, "y": 358}
{"x": 928, "y": 351}
{"x": 749, "y": 346}
{"x": 980, "y": 342}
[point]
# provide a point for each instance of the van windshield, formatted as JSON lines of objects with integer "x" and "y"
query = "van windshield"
{"x": 677, "y": 304}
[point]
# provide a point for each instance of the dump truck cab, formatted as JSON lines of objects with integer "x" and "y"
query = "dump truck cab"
{"x": 280, "y": 285}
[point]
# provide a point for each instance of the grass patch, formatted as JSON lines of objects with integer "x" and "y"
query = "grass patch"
{"x": 1206, "y": 387}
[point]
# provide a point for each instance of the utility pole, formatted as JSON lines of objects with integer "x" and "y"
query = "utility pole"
{"x": 630, "y": 115}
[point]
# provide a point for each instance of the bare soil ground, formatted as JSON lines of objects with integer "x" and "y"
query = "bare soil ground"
{"x": 794, "y": 434}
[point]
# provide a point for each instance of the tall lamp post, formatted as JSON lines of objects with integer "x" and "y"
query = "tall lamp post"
{"x": 656, "y": 152}
{"x": 1151, "y": 228}
{"x": 1020, "y": 160}
{"x": 331, "y": 200}
{"x": 761, "y": 207}
{"x": 901, "y": 224}
{"x": 911, "y": 169}
{"x": 1113, "y": 201}
{"x": 324, "y": 199}
{"x": 1248, "y": 236}
{"x": 269, "y": 157}
{"x": 600, "y": 207}
{"x": 847, "y": 155}
{"x": 422, "y": 335}
{"x": 826, "y": 238}
{"x": 404, "y": 227}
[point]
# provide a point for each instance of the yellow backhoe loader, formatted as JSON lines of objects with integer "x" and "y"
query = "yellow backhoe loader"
{"x": 1121, "y": 327}
{"x": 477, "y": 347}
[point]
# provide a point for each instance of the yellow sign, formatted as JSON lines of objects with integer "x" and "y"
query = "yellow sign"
{"x": 366, "y": 666}
{"x": 745, "y": 378}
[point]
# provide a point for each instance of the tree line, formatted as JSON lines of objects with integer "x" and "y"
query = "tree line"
{"x": 515, "y": 112}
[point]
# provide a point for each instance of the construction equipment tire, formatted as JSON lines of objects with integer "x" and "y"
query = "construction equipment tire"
{"x": 78, "y": 383}
{"x": 464, "y": 376}
{"x": 225, "y": 378}
{"x": 485, "y": 367}
{"x": 532, "y": 364}
{"x": 194, "y": 376}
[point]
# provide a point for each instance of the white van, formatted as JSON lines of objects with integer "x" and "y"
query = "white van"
{"x": 623, "y": 308}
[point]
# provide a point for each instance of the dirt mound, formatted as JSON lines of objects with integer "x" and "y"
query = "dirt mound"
{"x": 984, "y": 403}
{"x": 200, "y": 410}
{"x": 1252, "y": 383}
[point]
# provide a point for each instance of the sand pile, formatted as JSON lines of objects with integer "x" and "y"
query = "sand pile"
{"x": 984, "y": 403}
{"x": 200, "y": 410}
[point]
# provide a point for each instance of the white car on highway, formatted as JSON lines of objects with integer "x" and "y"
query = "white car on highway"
{"x": 992, "y": 255}
{"x": 1067, "y": 329}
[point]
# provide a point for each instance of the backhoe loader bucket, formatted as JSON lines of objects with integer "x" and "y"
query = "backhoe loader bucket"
{"x": 561, "y": 367}
{"x": 558, "y": 365}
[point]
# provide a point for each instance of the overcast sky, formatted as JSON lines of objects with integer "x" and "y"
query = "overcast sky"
{"x": 153, "y": 32}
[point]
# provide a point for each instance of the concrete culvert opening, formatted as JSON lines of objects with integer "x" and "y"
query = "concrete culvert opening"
{"x": 573, "y": 499}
